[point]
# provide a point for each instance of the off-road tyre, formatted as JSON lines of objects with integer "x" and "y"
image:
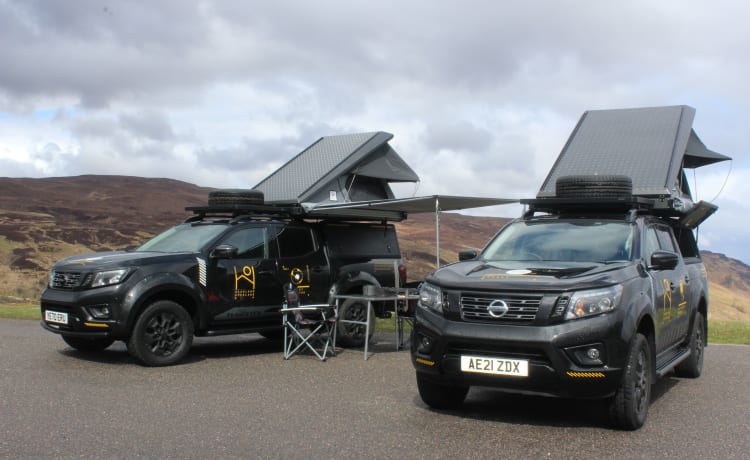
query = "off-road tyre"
{"x": 353, "y": 335}
{"x": 594, "y": 186}
{"x": 692, "y": 367}
{"x": 439, "y": 396}
{"x": 235, "y": 197}
{"x": 162, "y": 335}
{"x": 88, "y": 344}
{"x": 628, "y": 408}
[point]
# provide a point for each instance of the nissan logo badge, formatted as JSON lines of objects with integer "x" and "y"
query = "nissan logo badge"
{"x": 497, "y": 309}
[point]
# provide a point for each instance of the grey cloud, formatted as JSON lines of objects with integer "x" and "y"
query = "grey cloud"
{"x": 148, "y": 124}
{"x": 490, "y": 89}
{"x": 253, "y": 154}
{"x": 12, "y": 168}
{"x": 458, "y": 136}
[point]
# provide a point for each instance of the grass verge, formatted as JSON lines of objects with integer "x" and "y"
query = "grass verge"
{"x": 734, "y": 332}
{"x": 19, "y": 311}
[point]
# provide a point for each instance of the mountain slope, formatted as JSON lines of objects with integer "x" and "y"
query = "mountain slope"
{"x": 44, "y": 220}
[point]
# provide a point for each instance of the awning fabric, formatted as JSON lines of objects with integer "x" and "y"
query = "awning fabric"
{"x": 399, "y": 208}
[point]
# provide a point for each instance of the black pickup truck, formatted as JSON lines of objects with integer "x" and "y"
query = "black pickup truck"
{"x": 597, "y": 290}
{"x": 591, "y": 300}
{"x": 220, "y": 272}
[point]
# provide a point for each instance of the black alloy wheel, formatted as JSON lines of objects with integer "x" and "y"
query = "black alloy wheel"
{"x": 692, "y": 367}
{"x": 629, "y": 407}
{"x": 162, "y": 335}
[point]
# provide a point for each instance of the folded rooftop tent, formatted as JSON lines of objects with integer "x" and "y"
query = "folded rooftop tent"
{"x": 649, "y": 145}
{"x": 339, "y": 169}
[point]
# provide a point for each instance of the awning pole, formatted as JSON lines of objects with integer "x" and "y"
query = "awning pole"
{"x": 437, "y": 233}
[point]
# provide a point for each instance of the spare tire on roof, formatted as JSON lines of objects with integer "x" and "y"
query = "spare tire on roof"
{"x": 235, "y": 197}
{"x": 594, "y": 186}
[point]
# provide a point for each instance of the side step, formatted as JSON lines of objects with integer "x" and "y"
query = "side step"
{"x": 671, "y": 360}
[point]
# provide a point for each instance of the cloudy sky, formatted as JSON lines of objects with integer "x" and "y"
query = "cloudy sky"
{"x": 480, "y": 95}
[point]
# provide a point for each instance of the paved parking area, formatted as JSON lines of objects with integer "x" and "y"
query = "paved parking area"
{"x": 236, "y": 397}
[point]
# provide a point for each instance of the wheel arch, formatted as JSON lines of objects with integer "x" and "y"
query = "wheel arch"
{"x": 352, "y": 283}
{"x": 703, "y": 310}
{"x": 647, "y": 328}
{"x": 167, "y": 286}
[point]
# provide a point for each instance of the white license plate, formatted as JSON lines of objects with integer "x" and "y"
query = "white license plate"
{"x": 56, "y": 317}
{"x": 495, "y": 366}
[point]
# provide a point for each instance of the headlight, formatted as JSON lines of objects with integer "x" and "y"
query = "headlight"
{"x": 431, "y": 297}
{"x": 109, "y": 277}
{"x": 589, "y": 303}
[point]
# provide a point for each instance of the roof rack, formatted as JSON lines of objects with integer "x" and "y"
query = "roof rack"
{"x": 656, "y": 206}
{"x": 254, "y": 210}
{"x": 663, "y": 207}
{"x": 239, "y": 212}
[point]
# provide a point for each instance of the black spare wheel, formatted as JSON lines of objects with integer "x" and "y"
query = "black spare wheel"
{"x": 594, "y": 186}
{"x": 235, "y": 196}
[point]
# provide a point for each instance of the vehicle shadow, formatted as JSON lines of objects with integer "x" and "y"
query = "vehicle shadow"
{"x": 494, "y": 405}
{"x": 202, "y": 349}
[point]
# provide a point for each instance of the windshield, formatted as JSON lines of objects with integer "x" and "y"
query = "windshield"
{"x": 569, "y": 241}
{"x": 184, "y": 238}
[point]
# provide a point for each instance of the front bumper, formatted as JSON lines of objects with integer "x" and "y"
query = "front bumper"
{"x": 78, "y": 306}
{"x": 553, "y": 353}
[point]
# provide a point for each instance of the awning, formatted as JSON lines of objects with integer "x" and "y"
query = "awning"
{"x": 398, "y": 209}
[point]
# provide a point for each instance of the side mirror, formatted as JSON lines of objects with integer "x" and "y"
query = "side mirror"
{"x": 467, "y": 254}
{"x": 224, "y": 251}
{"x": 663, "y": 260}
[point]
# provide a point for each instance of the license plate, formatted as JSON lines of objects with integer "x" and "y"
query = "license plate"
{"x": 495, "y": 366}
{"x": 56, "y": 317}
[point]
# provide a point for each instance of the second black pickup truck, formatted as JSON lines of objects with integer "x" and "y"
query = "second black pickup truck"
{"x": 597, "y": 290}
{"x": 590, "y": 303}
{"x": 221, "y": 272}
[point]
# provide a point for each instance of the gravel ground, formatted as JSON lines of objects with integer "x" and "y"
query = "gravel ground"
{"x": 236, "y": 397}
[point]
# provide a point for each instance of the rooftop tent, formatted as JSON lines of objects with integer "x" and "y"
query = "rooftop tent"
{"x": 339, "y": 169}
{"x": 649, "y": 145}
{"x": 347, "y": 176}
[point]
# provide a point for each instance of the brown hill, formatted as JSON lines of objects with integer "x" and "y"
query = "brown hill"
{"x": 43, "y": 220}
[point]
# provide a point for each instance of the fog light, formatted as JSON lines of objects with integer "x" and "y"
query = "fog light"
{"x": 99, "y": 311}
{"x": 424, "y": 344}
{"x": 588, "y": 355}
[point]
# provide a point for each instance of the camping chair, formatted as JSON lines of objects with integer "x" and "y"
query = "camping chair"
{"x": 306, "y": 327}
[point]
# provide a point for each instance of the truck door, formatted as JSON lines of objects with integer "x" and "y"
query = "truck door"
{"x": 245, "y": 286}
{"x": 670, "y": 290}
{"x": 303, "y": 262}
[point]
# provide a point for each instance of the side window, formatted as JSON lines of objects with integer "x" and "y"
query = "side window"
{"x": 666, "y": 241}
{"x": 686, "y": 241}
{"x": 650, "y": 244}
{"x": 252, "y": 243}
{"x": 296, "y": 241}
